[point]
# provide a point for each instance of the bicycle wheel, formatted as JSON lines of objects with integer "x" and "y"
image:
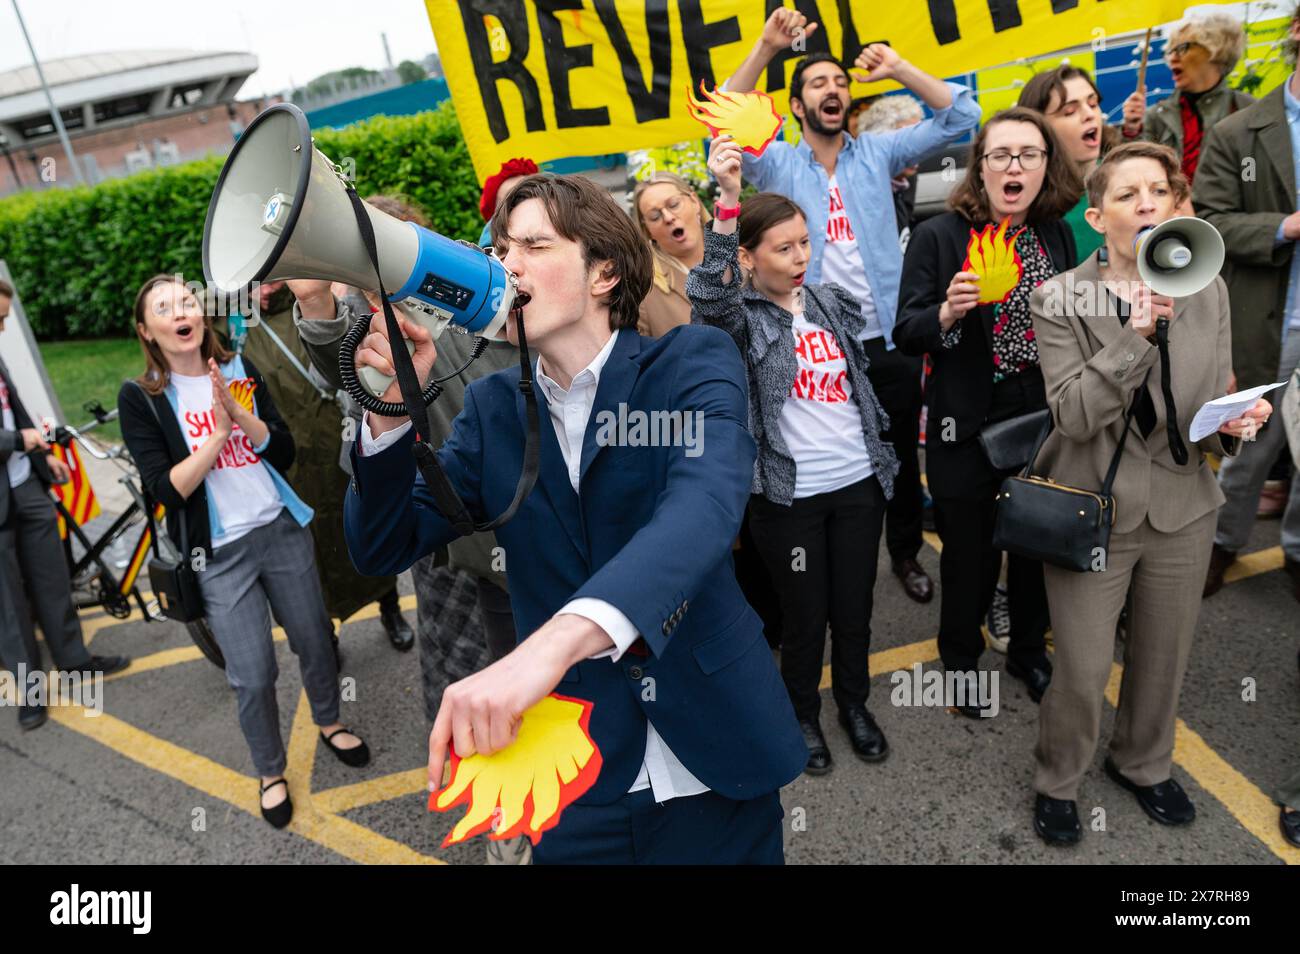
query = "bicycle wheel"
{"x": 201, "y": 633}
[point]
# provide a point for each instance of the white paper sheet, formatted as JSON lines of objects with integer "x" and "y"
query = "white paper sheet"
{"x": 1214, "y": 414}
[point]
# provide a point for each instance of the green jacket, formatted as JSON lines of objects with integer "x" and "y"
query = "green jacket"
{"x": 316, "y": 422}
{"x": 478, "y": 553}
{"x": 1245, "y": 186}
{"x": 1163, "y": 122}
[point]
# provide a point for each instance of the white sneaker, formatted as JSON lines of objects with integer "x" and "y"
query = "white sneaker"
{"x": 511, "y": 851}
{"x": 998, "y": 630}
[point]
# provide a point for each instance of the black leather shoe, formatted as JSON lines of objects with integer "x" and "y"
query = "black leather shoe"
{"x": 1166, "y": 802}
{"x": 31, "y": 717}
{"x": 399, "y": 630}
{"x": 100, "y": 665}
{"x": 819, "y": 756}
{"x": 868, "y": 741}
{"x": 1057, "y": 821}
{"x": 1036, "y": 677}
{"x": 281, "y": 814}
{"x": 916, "y": 582}
{"x": 1290, "y": 822}
{"x": 356, "y": 756}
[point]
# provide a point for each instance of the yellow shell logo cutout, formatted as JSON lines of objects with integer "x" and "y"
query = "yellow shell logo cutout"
{"x": 242, "y": 390}
{"x": 992, "y": 256}
{"x": 749, "y": 118}
{"x": 523, "y": 788}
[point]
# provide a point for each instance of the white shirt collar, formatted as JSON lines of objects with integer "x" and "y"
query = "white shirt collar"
{"x": 587, "y": 377}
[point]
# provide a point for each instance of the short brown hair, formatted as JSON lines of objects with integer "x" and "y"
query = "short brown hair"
{"x": 6, "y": 290}
{"x": 1037, "y": 94}
{"x": 583, "y": 212}
{"x": 760, "y": 213}
{"x": 157, "y": 373}
{"x": 1061, "y": 184}
{"x": 1100, "y": 177}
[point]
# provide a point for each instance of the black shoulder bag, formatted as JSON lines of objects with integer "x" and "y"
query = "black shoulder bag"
{"x": 1039, "y": 519}
{"x": 174, "y": 582}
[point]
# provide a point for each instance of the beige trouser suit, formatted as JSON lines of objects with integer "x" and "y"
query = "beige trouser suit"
{"x": 1164, "y": 521}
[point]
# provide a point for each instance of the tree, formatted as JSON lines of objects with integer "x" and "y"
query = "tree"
{"x": 408, "y": 71}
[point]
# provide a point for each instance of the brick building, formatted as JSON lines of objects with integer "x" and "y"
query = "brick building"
{"x": 123, "y": 111}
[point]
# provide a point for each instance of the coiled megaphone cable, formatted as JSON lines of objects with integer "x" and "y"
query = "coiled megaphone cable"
{"x": 352, "y": 382}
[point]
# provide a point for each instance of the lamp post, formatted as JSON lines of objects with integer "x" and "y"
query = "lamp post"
{"x": 54, "y": 112}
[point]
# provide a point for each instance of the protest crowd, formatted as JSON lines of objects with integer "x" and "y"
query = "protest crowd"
{"x": 855, "y": 375}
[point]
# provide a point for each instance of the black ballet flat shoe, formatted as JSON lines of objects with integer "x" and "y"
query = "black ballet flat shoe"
{"x": 356, "y": 757}
{"x": 1057, "y": 821}
{"x": 281, "y": 814}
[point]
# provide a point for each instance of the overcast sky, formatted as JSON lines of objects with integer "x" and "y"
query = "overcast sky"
{"x": 294, "y": 40}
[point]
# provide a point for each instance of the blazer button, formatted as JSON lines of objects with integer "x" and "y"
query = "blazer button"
{"x": 1119, "y": 372}
{"x": 1130, "y": 356}
{"x": 634, "y": 672}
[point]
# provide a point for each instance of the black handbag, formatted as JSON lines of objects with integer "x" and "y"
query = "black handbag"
{"x": 174, "y": 582}
{"x": 1039, "y": 519}
{"x": 1010, "y": 444}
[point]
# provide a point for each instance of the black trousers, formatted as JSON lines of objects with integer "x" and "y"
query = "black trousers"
{"x": 818, "y": 551}
{"x": 969, "y": 565}
{"x": 896, "y": 379}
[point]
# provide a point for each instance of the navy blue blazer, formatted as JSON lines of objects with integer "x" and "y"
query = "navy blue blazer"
{"x": 650, "y": 533}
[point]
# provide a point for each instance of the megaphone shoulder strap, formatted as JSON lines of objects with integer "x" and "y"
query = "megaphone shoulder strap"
{"x": 444, "y": 494}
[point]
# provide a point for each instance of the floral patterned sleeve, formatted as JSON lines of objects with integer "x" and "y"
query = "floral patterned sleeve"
{"x": 950, "y": 338}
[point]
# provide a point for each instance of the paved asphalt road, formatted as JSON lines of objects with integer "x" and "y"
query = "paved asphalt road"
{"x": 163, "y": 776}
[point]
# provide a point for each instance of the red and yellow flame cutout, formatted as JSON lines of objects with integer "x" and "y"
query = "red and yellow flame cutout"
{"x": 523, "y": 788}
{"x": 241, "y": 389}
{"x": 995, "y": 259}
{"x": 749, "y": 118}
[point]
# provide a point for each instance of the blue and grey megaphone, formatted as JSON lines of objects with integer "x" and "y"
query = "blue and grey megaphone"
{"x": 281, "y": 210}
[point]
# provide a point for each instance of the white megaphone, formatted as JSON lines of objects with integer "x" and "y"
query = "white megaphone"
{"x": 1179, "y": 257}
{"x": 281, "y": 210}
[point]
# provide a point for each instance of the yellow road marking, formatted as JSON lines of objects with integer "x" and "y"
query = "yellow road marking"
{"x": 1254, "y": 811}
{"x": 301, "y": 757}
{"x": 1252, "y": 564}
{"x": 337, "y": 834}
{"x": 398, "y": 785}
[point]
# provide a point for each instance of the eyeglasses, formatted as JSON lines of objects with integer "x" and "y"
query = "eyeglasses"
{"x": 1181, "y": 49}
{"x": 673, "y": 205}
{"x": 1029, "y": 159}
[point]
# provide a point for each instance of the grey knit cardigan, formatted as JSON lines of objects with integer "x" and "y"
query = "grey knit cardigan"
{"x": 764, "y": 333}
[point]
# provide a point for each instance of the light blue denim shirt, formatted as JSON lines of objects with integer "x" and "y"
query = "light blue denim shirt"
{"x": 863, "y": 171}
{"x": 1292, "y": 120}
{"x": 234, "y": 368}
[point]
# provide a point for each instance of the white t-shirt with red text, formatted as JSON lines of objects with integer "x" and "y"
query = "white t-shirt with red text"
{"x": 842, "y": 262}
{"x": 820, "y": 422}
{"x": 238, "y": 486}
{"x": 18, "y": 467}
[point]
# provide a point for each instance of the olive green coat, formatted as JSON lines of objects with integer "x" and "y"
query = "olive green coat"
{"x": 1245, "y": 186}
{"x": 1163, "y": 122}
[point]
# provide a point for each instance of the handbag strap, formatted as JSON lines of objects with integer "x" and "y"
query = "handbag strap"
{"x": 1113, "y": 469}
{"x": 148, "y": 499}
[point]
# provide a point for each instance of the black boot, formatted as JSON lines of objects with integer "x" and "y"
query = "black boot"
{"x": 398, "y": 629}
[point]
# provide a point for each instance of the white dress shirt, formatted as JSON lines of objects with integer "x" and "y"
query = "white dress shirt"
{"x": 570, "y": 410}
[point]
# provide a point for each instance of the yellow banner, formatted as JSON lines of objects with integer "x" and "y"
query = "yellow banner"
{"x": 550, "y": 79}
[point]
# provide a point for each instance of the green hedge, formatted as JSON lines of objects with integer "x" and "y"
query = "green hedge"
{"x": 79, "y": 255}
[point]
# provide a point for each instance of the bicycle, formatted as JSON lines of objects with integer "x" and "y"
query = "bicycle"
{"x": 94, "y": 580}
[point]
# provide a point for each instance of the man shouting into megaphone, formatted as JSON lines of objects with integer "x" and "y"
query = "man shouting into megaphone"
{"x": 618, "y": 560}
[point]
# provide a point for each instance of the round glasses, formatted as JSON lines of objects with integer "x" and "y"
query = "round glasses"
{"x": 1029, "y": 159}
{"x": 673, "y": 205}
{"x": 1181, "y": 49}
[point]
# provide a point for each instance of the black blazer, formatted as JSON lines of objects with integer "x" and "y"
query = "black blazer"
{"x": 11, "y": 442}
{"x": 156, "y": 452}
{"x": 961, "y": 387}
